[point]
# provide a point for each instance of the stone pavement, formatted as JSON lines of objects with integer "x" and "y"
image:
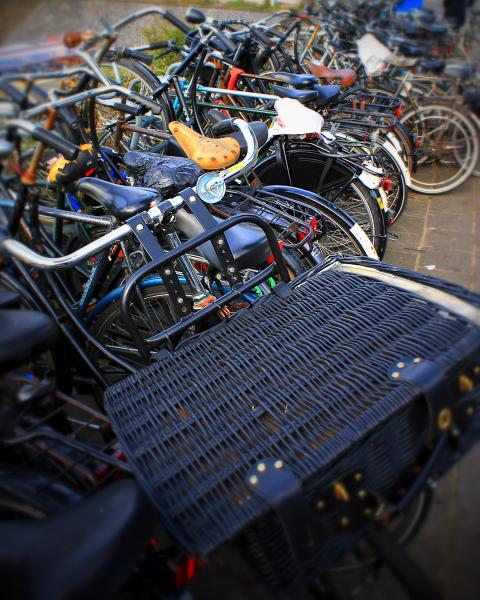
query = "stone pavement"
{"x": 440, "y": 236}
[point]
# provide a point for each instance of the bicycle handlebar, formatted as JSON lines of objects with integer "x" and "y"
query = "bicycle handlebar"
{"x": 166, "y": 14}
{"x": 146, "y": 103}
{"x": 135, "y": 54}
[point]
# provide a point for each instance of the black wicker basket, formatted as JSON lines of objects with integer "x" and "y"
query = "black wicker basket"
{"x": 302, "y": 417}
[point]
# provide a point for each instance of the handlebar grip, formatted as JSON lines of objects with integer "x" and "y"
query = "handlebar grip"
{"x": 49, "y": 138}
{"x": 128, "y": 108}
{"x": 146, "y": 102}
{"x": 225, "y": 42}
{"x": 176, "y": 21}
{"x": 263, "y": 37}
{"x": 137, "y": 55}
{"x": 159, "y": 45}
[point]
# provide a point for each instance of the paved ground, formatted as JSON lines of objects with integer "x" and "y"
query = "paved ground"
{"x": 34, "y": 20}
{"x": 438, "y": 235}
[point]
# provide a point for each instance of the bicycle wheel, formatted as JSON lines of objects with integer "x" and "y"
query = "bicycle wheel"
{"x": 476, "y": 120}
{"x": 310, "y": 170}
{"x": 398, "y": 195}
{"x": 447, "y": 147}
{"x": 103, "y": 117}
{"x": 156, "y": 314}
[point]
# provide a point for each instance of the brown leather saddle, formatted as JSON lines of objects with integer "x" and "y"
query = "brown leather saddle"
{"x": 208, "y": 153}
{"x": 345, "y": 77}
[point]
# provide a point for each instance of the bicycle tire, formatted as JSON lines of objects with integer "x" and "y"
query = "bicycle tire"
{"x": 464, "y": 124}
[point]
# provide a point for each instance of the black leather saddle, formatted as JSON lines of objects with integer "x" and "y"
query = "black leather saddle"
{"x": 459, "y": 71}
{"x": 435, "y": 28}
{"x": 23, "y": 335}
{"x": 248, "y": 244}
{"x": 303, "y": 96}
{"x": 412, "y": 50}
{"x": 88, "y": 551}
{"x": 327, "y": 94}
{"x": 299, "y": 81}
{"x": 432, "y": 64}
{"x": 121, "y": 201}
{"x": 222, "y": 125}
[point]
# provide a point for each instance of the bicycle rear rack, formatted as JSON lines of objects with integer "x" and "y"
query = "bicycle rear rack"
{"x": 212, "y": 235}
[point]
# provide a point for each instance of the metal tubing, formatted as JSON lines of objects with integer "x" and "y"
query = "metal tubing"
{"x": 33, "y": 259}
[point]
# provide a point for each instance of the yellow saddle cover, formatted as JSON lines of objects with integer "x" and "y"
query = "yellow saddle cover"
{"x": 209, "y": 153}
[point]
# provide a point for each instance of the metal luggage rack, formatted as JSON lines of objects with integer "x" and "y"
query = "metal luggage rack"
{"x": 350, "y": 116}
{"x": 166, "y": 268}
{"x": 373, "y": 102}
{"x": 64, "y": 446}
{"x": 343, "y": 376}
{"x": 271, "y": 203}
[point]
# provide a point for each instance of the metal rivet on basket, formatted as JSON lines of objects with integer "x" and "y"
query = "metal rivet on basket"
{"x": 192, "y": 199}
{"x": 344, "y": 521}
{"x": 362, "y": 494}
{"x": 320, "y": 505}
{"x": 253, "y": 480}
{"x": 231, "y": 269}
{"x": 261, "y": 467}
{"x": 444, "y": 419}
{"x": 220, "y": 242}
{"x": 417, "y": 360}
{"x": 470, "y": 411}
{"x": 465, "y": 383}
{"x": 400, "y": 365}
{"x": 395, "y": 375}
{"x": 476, "y": 370}
{"x": 278, "y": 464}
{"x": 167, "y": 271}
{"x": 139, "y": 227}
{"x": 180, "y": 300}
{"x": 358, "y": 476}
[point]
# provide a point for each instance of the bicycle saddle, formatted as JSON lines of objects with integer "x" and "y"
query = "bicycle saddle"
{"x": 88, "y": 551}
{"x": 294, "y": 79}
{"x": 247, "y": 242}
{"x": 427, "y": 16}
{"x": 209, "y": 154}
{"x": 23, "y": 335}
{"x": 459, "y": 71}
{"x": 327, "y": 94}
{"x": 303, "y": 96}
{"x": 432, "y": 64}
{"x": 411, "y": 50}
{"x": 435, "y": 28}
{"x": 222, "y": 125}
{"x": 121, "y": 201}
{"x": 347, "y": 77}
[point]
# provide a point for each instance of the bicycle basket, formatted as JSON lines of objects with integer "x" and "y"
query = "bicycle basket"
{"x": 269, "y": 423}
